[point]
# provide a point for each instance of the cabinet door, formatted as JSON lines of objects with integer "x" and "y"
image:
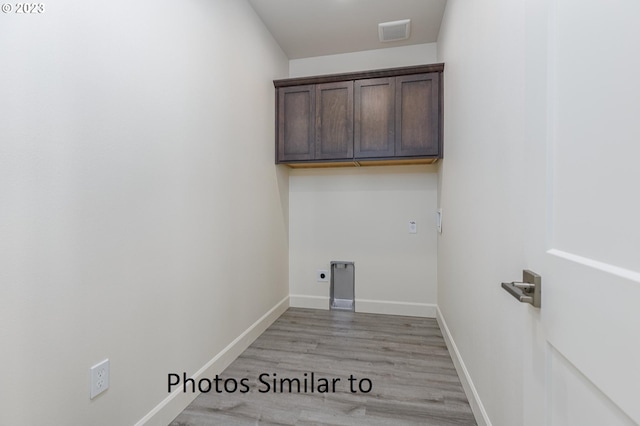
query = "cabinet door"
{"x": 334, "y": 121}
{"x": 417, "y": 115}
{"x": 374, "y": 133}
{"x": 296, "y": 130}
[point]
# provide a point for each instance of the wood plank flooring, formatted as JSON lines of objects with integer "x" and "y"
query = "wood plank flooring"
{"x": 413, "y": 380}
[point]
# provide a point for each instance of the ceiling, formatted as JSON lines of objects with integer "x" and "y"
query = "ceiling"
{"x": 308, "y": 28}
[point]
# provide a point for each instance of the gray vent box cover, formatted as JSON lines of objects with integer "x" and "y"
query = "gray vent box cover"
{"x": 342, "y": 286}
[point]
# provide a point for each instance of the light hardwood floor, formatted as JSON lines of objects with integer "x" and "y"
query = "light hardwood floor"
{"x": 413, "y": 378}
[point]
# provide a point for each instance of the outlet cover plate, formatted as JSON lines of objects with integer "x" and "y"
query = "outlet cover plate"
{"x": 413, "y": 227}
{"x": 99, "y": 378}
{"x": 322, "y": 275}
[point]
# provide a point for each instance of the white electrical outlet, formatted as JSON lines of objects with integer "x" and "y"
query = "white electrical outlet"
{"x": 99, "y": 378}
{"x": 322, "y": 275}
{"x": 413, "y": 227}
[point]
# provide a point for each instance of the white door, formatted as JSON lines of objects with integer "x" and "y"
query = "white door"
{"x": 582, "y": 176}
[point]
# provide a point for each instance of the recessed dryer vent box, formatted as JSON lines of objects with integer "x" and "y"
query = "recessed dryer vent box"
{"x": 342, "y": 286}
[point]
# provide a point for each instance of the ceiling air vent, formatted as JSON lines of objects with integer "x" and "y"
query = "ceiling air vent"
{"x": 394, "y": 31}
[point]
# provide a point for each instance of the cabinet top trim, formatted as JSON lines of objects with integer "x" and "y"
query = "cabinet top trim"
{"x": 388, "y": 72}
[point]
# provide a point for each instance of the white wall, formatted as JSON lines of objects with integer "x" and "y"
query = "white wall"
{"x": 395, "y": 271}
{"x": 141, "y": 215}
{"x": 482, "y": 46}
{"x": 391, "y": 57}
{"x": 362, "y": 215}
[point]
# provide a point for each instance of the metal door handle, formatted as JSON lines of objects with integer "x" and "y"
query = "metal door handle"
{"x": 526, "y": 287}
{"x": 528, "y": 290}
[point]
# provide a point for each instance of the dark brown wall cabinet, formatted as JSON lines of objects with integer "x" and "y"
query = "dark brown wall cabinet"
{"x": 334, "y": 121}
{"x": 296, "y": 118}
{"x": 391, "y": 116}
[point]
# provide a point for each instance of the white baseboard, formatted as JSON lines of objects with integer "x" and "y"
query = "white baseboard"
{"x": 425, "y": 310}
{"x": 469, "y": 388}
{"x": 177, "y": 401}
{"x": 310, "y": 302}
{"x": 368, "y": 306}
